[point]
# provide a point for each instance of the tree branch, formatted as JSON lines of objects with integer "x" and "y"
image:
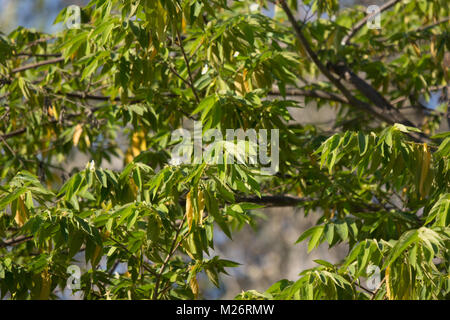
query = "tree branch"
{"x": 23, "y": 130}
{"x": 284, "y": 200}
{"x": 174, "y": 246}
{"x": 381, "y": 108}
{"x": 370, "y": 93}
{"x": 117, "y": 99}
{"x": 422, "y": 28}
{"x": 15, "y": 241}
{"x": 79, "y": 95}
{"x": 38, "y": 55}
{"x": 313, "y": 56}
{"x": 33, "y": 43}
{"x": 186, "y": 60}
{"x": 146, "y": 267}
{"x": 313, "y": 93}
{"x": 360, "y": 24}
{"x": 37, "y": 65}
{"x": 14, "y": 133}
{"x": 179, "y": 76}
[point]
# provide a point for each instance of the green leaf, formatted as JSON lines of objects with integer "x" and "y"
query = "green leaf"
{"x": 329, "y": 232}
{"x": 11, "y": 197}
{"x": 316, "y": 233}
{"x": 440, "y": 211}
{"x": 444, "y": 148}
{"x": 205, "y": 105}
{"x": 101, "y": 177}
{"x": 402, "y": 244}
{"x": 324, "y": 263}
{"x": 213, "y": 209}
{"x": 363, "y": 142}
{"x": 342, "y": 230}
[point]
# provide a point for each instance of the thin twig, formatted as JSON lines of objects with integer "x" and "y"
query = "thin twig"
{"x": 360, "y": 24}
{"x": 15, "y": 241}
{"x": 146, "y": 267}
{"x": 313, "y": 56}
{"x": 33, "y": 43}
{"x": 380, "y": 107}
{"x": 313, "y": 93}
{"x": 186, "y": 60}
{"x": 377, "y": 289}
{"x": 179, "y": 76}
{"x": 37, "y": 65}
{"x": 38, "y": 55}
{"x": 174, "y": 246}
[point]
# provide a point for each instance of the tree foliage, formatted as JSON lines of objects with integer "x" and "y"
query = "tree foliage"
{"x": 142, "y": 68}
